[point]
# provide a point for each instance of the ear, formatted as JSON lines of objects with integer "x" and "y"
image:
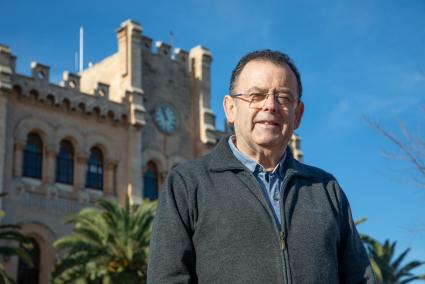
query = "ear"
{"x": 299, "y": 111}
{"x": 229, "y": 108}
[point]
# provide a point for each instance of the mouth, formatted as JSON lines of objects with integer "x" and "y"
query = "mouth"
{"x": 267, "y": 123}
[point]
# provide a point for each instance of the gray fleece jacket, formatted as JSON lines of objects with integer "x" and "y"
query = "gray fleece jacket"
{"x": 214, "y": 225}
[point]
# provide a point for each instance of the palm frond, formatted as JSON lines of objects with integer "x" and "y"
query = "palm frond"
{"x": 108, "y": 241}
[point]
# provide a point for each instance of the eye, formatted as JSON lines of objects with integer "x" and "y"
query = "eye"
{"x": 255, "y": 97}
{"x": 284, "y": 99}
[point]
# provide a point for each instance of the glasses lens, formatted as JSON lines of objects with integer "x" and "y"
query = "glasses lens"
{"x": 284, "y": 99}
{"x": 257, "y": 99}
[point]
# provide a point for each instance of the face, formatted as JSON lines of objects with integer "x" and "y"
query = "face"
{"x": 268, "y": 127}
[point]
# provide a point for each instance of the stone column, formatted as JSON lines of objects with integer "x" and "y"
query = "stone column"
{"x": 48, "y": 175}
{"x": 18, "y": 158}
{"x": 202, "y": 58}
{"x": 7, "y": 69}
{"x": 108, "y": 178}
{"x": 130, "y": 52}
{"x": 134, "y": 162}
{"x": 80, "y": 173}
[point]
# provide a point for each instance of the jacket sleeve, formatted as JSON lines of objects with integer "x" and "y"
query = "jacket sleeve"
{"x": 172, "y": 255}
{"x": 353, "y": 260}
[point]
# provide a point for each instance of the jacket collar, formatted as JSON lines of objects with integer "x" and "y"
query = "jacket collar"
{"x": 222, "y": 159}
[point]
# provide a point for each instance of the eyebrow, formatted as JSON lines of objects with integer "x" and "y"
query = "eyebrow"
{"x": 256, "y": 89}
{"x": 264, "y": 90}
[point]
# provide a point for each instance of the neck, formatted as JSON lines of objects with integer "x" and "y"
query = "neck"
{"x": 266, "y": 157}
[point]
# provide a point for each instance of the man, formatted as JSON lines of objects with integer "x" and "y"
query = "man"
{"x": 248, "y": 212}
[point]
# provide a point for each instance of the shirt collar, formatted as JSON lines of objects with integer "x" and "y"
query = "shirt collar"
{"x": 252, "y": 165}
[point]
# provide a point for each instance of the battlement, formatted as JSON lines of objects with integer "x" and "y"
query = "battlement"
{"x": 69, "y": 99}
{"x": 40, "y": 72}
{"x": 66, "y": 96}
{"x": 102, "y": 90}
{"x": 71, "y": 81}
{"x": 164, "y": 50}
{"x": 181, "y": 55}
{"x": 147, "y": 44}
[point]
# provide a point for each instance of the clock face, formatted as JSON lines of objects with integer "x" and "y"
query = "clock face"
{"x": 165, "y": 118}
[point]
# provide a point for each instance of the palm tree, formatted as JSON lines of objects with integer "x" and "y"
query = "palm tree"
{"x": 109, "y": 244}
{"x": 387, "y": 267}
{"x": 381, "y": 257}
{"x": 10, "y": 233}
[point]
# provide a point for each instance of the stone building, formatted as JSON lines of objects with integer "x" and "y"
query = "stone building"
{"x": 115, "y": 128}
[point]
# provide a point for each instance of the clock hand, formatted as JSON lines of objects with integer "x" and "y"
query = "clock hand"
{"x": 164, "y": 113}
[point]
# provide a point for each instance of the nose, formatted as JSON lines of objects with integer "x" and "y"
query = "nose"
{"x": 270, "y": 103}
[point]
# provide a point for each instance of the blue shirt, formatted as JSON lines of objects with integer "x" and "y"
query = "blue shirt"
{"x": 270, "y": 182}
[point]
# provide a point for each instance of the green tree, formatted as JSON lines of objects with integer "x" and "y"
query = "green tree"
{"x": 388, "y": 270}
{"x": 109, "y": 244}
{"x": 10, "y": 233}
{"x": 388, "y": 267}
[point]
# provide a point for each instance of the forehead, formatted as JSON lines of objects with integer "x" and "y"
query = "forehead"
{"x": 266, "y": 74}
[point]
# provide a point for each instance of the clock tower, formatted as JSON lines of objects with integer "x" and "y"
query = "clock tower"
{"x": 174, "y": 91}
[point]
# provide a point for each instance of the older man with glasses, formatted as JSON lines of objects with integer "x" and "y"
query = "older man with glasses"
{"x": 248, "y": 212}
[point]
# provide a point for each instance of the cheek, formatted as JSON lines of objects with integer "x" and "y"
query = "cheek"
{"x": 245, "y": 119}
{"x": 289, "y": 119}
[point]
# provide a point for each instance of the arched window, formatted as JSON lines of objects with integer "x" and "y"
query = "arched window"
{"x": 27, "y": 274}
{"x": 150, "y": 181}
{"x": 65, "y": 163}
{"x": 33, "y": 156}
{"x": 94, "y": 174}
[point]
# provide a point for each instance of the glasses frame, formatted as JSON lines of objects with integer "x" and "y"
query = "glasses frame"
{"x": 247, "y": 97}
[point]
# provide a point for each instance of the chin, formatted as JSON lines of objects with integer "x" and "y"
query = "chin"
{"x": 270, "y": 142}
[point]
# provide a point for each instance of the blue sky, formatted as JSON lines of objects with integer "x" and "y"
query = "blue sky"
{"x": 357, "y": 59}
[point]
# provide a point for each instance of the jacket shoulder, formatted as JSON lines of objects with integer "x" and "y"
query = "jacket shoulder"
{"x": 319, "y": 178}
{"x": 193, "y": 166}
{"x": 191, "y": 173}
{"x": 313, "y": 172}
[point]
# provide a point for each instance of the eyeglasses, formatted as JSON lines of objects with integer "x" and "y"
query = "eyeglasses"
{"x": 257, "y": 100}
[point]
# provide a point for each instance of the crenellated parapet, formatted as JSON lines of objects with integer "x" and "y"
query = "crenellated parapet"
{"x": 181, "y": 55}
{"x": 64, "y": 97}
{"x": 165, "y": 52}
{"x": 71, "y": 81}
{"x": 40, "y": 72}
{"x": 102, "y": 91}
{"x": 163, "y": 49}
{"x": 147, "y": 44}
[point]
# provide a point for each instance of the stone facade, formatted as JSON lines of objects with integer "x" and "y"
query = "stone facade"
{"x": 56, "y": 113}
{"x": 177, "y": 80}
{"x": 118, "y": 106}
{"x": 139, "y": 107}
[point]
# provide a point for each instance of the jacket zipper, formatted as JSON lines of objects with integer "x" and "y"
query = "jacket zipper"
{"x": 282, "y": 235}
{"x": 282, "y": 254}
{"x": 282, "y": 240}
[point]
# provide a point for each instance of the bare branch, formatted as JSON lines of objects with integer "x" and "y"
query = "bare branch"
{"x": 412, "y": 153}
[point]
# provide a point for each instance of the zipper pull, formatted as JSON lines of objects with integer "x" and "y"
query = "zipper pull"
{"x": 282, "y": 240}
